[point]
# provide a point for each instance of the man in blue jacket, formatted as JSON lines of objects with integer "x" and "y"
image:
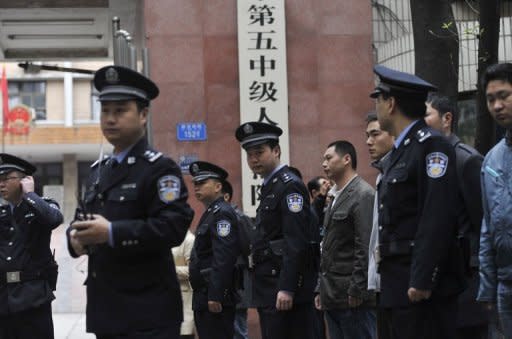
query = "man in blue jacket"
{"x": 496, "y": 235}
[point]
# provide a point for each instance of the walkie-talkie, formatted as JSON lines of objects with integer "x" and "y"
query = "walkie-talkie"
{"x": 81, "y": 212}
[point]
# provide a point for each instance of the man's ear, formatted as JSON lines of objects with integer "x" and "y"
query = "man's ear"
{"x": 392, "y": 104}
{"x": 144, "y": 114}
{"x": 447, "y": 120}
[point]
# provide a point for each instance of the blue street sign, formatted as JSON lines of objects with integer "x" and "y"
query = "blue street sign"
{"x": 191, "y": 131}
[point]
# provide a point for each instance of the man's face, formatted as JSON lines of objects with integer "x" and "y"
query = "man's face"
{"x": 334, "y": 165}
{"x": 207, "y": 190}
{"x": 121, "y": 123}
{"x": 499, "y": 102}
{"x": 433, "y": 118}
{"x": 10, "y": 186}
{"x": 379, "y": 142}
{"x": 383, "y": 108}
{"x": 262, "y": 159}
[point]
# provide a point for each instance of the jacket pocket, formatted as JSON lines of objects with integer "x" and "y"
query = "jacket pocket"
{"x": 122, "y": 195}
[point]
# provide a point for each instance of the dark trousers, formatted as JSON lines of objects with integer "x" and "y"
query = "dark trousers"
{"x": 215, "y": 325}
{"x": 429, "y": 319}
{"x": 319, "y": 324}
{"x": 171, "y": 332}
{"x": 293, "y": 324}
{"x": 382, "y": 333}
{"x": 33, "y": 323}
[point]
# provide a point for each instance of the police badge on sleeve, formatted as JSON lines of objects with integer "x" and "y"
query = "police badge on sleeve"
{"x": 437, "y": 163}
{"x": 295, "y": 202}
{"x": 223, "y": 228}
{"x": 169, "y": 188}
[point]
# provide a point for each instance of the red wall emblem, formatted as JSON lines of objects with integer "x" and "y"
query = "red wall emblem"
{"x": 18, "y": 120}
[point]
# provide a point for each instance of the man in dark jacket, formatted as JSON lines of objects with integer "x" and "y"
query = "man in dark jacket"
{"x": 343, "y": 278}
{"x": 473, "y": 318}
{"x": 420, "y": 260}
{"x": 28, "y": 272}
{"x": 135, "y": 211}
{"x": 283, "y": 280}
{"x": 215, "y": 252}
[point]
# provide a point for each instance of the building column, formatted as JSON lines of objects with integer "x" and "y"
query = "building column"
{"x": 70, "y": 183}
{"x": 68, "y": 96}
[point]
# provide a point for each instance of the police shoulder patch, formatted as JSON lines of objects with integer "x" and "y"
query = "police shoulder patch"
{"x": 223, "y": 228}
{"x": 295, "y": 201}
{"x": 152, "y": 156}
{"x": 437, "y": 163}
{"x": 169, "y": 188}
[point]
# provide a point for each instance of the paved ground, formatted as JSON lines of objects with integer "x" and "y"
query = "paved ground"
{"x": 72, "y": 326}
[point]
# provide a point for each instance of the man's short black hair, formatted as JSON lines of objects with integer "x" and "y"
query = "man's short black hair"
{"x": 141, "y": 104}
{"x": 501, "y": 72}
{"x": 371, "y": 117}
{"x": 314, "y": 184}
{"x": 412, "y": 106}
{"x": 342, "y": 147}
{"x": 227, "y": 189}
{"x": 443, "y": 105}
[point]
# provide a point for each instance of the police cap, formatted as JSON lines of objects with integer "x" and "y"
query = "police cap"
{"x": 10, "y": 163}
{"x": 202, "y": 170}
{"x": 116, "y": 83}
{"x": 255, "y": 133}
{"x": 399, "y": 83}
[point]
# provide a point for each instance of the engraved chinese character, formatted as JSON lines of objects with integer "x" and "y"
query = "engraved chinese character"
{"x": 262, "y": 91}
{"x": 262, "y": 64}
{"x": 262, "y": 40}
{"x": 261, "y": 14}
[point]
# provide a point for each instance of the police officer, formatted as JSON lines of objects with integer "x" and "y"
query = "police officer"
{"x": 213, "y": 258}
{"x": 419, "y": 265}
{"x": 28, "y": 272}
{"x": 135, "y": 211}
{"x": 283, "y": 281}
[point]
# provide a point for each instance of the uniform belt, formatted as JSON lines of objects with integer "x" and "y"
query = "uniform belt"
{"x": 402, "y": 247}
{"x": 19, "y": 276}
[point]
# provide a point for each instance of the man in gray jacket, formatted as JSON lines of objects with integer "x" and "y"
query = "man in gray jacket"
{"x": 343, "y": 274}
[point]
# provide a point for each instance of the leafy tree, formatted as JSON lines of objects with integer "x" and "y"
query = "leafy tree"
{"x": 436, "y": 44}
{"x": 488, "y": 36}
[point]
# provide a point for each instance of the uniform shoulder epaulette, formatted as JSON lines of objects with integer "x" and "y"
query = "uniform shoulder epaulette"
{"x": 52, "y": 202}
{"x": 466, "y": 148}
{"x": 286, "y": 177}
{"x": 105, "y": 158}
{"x": 423, "y": 135}
{"x": 151, "y": 155}
{"x": 215, "y": 209}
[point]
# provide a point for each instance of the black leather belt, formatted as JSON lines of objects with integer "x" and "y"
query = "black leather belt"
{"x": 19, "y": 276}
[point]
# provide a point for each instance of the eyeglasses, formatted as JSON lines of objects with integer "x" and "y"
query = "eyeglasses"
{"x": 5, "y": 179}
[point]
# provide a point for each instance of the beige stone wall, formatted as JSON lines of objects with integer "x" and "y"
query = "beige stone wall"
{"x": 82, "y": 109}
{"x": 54, "y": 100}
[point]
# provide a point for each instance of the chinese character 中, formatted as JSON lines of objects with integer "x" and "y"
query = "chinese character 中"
{"x": 262, "y": 64}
